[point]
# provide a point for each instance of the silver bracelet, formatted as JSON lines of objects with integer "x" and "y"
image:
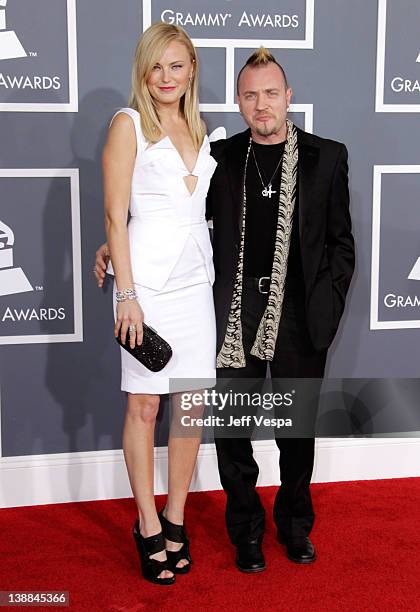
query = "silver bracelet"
{"x": 126, "y": 294}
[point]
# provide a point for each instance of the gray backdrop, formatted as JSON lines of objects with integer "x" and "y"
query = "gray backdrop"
{"x": 59, "y": 383}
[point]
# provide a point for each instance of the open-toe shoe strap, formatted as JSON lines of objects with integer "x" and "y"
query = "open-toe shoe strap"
{"x": 172, "y": 532}
{"x": 174, "y": 556}
{"x": 159, "y": 566}
{"x": 154, "y": 544}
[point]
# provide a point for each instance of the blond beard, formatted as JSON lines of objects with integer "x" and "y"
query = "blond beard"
{"x": 275, "y": 130}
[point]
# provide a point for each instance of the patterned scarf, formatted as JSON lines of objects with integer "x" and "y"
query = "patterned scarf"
{"x": 231, "y": 354}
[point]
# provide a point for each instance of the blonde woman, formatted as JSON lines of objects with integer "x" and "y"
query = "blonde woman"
{"x": 157, "y": 166}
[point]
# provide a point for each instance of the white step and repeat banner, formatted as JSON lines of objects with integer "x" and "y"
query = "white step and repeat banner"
{"x": 64, "y": 70}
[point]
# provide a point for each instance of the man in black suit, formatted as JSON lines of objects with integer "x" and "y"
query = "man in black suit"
{"x": 283, "y": 267}
{"x": 284, "y": 258}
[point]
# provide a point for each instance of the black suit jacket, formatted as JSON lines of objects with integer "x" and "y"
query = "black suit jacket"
{"x": 326, "y": 241}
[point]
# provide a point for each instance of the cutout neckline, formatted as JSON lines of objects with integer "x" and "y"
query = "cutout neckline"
{"x": 195, "y": 184}
{"x": 192, "y": 172}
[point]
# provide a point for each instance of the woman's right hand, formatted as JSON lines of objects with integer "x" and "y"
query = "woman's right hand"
{"x": 101, "y": 263}
{"x": 129, "y": 313}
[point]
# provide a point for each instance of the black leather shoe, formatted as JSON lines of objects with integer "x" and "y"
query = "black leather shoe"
{"x": 249, "y": 557}
{"x": 146, "y": 547}
{"x": 176, "y": 533}
{"x": 299, "y": 549}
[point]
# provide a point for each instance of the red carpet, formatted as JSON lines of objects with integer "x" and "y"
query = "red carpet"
{"x": 366, "y": 534}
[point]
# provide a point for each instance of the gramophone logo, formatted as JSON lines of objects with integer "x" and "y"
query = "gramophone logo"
{"x": 395, "y": 273}
{"x": 40, "y": 256}
{"x": 12, "y": 280}
{"x": 38, "y": 56}
{"x": 398, "y": 57}
{"x": 415, "y": 272}
{"x": 10, "y": 45}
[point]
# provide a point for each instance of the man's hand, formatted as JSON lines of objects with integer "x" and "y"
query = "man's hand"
{"x": 101, "y": 263}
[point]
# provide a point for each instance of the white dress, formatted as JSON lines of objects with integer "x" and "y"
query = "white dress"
{"x": 172, "y": 265}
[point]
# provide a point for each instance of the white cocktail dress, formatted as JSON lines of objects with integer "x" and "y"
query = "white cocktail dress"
{"x": 172, "y": 265}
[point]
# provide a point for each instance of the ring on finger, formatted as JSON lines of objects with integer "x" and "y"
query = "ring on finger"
{"x": 132, "y": 327}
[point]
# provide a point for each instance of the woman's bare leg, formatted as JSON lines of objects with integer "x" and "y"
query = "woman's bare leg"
{"x": 182, "y": 458}
{"x": 138, "y": 444}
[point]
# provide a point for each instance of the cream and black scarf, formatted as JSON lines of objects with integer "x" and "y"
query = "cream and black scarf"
{"x": 231, "y": 354}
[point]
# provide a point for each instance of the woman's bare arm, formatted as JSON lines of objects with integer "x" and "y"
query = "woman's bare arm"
{"x": 118, "y": 165}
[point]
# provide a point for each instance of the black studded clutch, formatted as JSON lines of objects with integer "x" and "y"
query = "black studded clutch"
{"x": 154, "y": 352}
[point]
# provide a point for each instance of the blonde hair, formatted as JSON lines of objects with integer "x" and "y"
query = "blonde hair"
{"x": 149, "y": 50}
{"x": 261, "y": 57}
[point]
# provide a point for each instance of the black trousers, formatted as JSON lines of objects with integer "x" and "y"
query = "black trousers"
{"x": 294, "y": 358}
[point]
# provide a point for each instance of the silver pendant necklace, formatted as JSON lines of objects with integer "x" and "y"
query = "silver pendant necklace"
{"x": 267, "y": 192}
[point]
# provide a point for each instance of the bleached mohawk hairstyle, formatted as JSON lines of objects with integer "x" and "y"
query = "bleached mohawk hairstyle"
{"x": 261, "y": 57}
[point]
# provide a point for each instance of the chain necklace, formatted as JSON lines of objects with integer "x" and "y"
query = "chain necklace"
{"x": 267, "y": 192}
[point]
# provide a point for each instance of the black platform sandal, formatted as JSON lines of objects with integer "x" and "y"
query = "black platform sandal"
{"x": 176, "y": 533}
{"x": 151, "y": 568}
